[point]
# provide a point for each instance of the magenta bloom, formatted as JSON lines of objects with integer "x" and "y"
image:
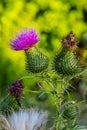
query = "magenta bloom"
{"x": 25, "y": 40}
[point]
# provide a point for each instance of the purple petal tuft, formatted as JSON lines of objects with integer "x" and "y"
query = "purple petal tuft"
{"x": 16, "y": 89}
{"x": 25, "y": 40}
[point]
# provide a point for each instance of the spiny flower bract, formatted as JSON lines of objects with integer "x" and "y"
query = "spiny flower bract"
{"x": 70, "y": 110}
{"x": 25, "y": 40}
{"x": 36, "y": 61}
{"x": 66, "y": 63}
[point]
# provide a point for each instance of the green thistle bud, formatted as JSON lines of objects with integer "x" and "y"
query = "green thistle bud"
{"x": 8, "y": 104}
{"x": 69, "y": 110}
{"x": 66, "y": 63}
{"x": 41, "y": 96}
{"x": 36, "y": 62}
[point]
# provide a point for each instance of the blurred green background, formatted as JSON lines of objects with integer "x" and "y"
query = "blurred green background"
{"x": 53, "y": 19}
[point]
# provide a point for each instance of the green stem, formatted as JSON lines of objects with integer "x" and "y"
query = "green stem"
{"x": 31, "y": 91}
{"x": 58, "y": 100}
{"x": 30, "y": 77}
{"x": 58, "y": 125}
{"x": 4, "y": 98}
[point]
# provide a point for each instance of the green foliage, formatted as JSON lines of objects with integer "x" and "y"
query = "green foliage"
{"x": 85, "y": 96}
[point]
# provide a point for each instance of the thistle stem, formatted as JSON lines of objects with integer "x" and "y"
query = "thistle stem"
{"x": 30, "y": 77}
{"x": 5, "y": 98}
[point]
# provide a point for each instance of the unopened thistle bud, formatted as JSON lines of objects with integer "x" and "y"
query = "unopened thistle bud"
{"x": 36, "y": 61}
{"x": 70, "y": 110}
{"x": 42, "y": 96}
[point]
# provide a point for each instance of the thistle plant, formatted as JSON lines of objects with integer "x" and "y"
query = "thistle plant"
{"x": 57, "y": 73}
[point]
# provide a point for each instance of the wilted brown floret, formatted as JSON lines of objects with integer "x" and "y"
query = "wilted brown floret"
{"x": 70, "y": 42}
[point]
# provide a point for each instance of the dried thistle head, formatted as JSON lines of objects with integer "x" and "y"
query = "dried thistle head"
{"x": 4, "y": 124}
{"x": 24, "y": 120}
{"x": 70, "y": 42}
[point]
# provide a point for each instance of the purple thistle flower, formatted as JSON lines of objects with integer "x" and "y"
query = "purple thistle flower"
{"x": 25, "y": 40}
{"x": 16, "y": 89}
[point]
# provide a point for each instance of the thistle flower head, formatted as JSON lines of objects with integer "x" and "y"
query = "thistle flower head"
{"x": 25, "y": 40}
{"x": 16, "y": 89}
{"x": 24, "y": 120}
{"x": 69, "y": 42}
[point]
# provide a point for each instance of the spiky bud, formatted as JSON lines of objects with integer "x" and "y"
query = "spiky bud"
{"x": 36, "y": 61}
{"x": 70, "y": 110}
{"x": 66, "y": 63}
{"x": 42, "y": 96}
{"x": 8, "y": 105}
